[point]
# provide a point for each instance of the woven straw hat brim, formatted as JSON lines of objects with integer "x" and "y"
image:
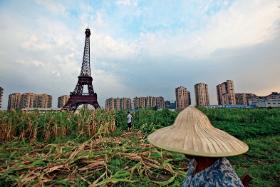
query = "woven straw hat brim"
{"x": 193, "y": 134}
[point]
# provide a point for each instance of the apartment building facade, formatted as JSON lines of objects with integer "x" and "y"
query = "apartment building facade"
{"x": 225, "y": 93}
{"x": 201, "y": 94}
{"x": 42, "y": 101}
{"x": 62, "y": 100}
{"x": 183, "y": 97}
{"x": 1, "y": 95}
{"x": 14, "y": 101}
{"x": 118, "y": 104}
{"x": 29, "y": 100}
{"x": 148, "y": 102}
{"x": 243, "y": 98}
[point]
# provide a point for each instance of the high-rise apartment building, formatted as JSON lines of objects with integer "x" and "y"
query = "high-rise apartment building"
{"x": 109, "y": 104}
{"x": 1, "y": 95}
{"x": 243, "y": 98}
{"x": 29, "y": 100}
{"x": 139, "y": 102}
{"x": 225, "y": 93}
{"x": 42, "y": 101}
{"x": 14, "y": 101}
{"x": 183, "y": 98}
{"x": 126, "y": 103}
{"x": 201, "y": 94}
{"x": 160, "y": 102}
{"x": 142, "y": 102}
{"x": 118, "y": 104}
{"x": 62, "y": 100}
{"x": 148, "y": 102}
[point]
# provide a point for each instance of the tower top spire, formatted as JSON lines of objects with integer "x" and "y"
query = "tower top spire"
{"x": 85, "y": 71}
{"x": 87, "y": 32}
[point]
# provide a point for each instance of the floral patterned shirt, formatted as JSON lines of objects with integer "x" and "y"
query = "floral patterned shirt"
{"x": 220, "y": 173}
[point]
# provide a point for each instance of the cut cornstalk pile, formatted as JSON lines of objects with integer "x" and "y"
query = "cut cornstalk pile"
{"x": 105, "y": 161}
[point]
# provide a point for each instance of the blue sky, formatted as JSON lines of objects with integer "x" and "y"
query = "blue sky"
{"x": 140, "y": 48}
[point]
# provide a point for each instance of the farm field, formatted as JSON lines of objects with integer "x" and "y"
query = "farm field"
{"x": 94, "y": 149}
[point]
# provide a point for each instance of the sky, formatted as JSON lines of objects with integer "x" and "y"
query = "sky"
{"x": 140, "y": 47}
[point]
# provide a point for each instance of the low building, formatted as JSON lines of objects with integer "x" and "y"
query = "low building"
{"x": 170, "y": 105}
{"x": 269, "y": 101}
{"x": 230, "y": 106}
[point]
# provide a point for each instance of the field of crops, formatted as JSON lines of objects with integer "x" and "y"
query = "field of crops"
{"x": 94, "y": 149}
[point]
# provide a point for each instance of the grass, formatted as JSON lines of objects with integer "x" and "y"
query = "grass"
{"x": 53, "y": 126}
{"x": 262, "y": 161}
{"x": 121, "y": 158}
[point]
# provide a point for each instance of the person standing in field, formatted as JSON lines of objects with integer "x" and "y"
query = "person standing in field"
{"x": 129, "y": 121}
{"x": 207, "y": 147}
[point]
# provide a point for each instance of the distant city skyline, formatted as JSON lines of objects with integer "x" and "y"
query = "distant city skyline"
{"x": 32, "y": 100}
{"x": 231, "y": 98}
{"x": 140, "y": 47}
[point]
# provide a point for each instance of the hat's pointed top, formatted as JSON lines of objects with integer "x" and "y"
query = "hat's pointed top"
{"x": 190, "y": 116}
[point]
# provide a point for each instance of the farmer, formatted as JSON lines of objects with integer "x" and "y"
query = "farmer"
{"x": 193, "y": 135}
{"x": 129, "y": 120}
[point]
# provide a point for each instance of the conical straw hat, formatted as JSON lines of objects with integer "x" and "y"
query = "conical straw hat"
{"x": 193, "y": 134}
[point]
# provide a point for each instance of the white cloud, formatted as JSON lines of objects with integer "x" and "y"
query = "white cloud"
{"x": 106, "y": 47}
{"x": 127, "y": 2}
{"x": 30, "y": 62}
{"x": 35, "y": 43}
{"x": 109, "y": 85}
{"x": 245, "y": 23}
{"x": 53, "y": 6}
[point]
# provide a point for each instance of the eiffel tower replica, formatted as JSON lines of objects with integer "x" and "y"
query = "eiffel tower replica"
{"x": 77, "y": 97}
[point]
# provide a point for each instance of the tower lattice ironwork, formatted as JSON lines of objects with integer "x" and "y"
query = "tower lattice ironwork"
{"x": 77, "y": 97}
